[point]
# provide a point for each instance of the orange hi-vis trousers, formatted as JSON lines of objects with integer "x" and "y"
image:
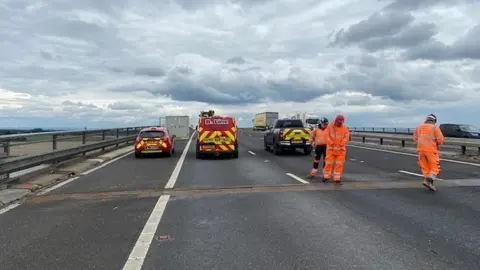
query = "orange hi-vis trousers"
{"x": 337, "y": 157}
{"x": 429, "y": 163}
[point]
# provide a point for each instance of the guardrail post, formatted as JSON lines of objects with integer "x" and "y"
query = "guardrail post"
{"x": 54, "y": 142}
{"x": 381, "y": 141}
{"x": 117, "y": 134}
{"x": 6, "y": 148}
{"x": 84, "y": 140}
{"x": 403, "y": 143}
{"x": 103, "y": 138}
{"x": 364, "y": 139}
{"x": 464, "y": 149}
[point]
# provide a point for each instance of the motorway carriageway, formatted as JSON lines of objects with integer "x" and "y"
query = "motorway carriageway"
{"x": 119, "y": 216}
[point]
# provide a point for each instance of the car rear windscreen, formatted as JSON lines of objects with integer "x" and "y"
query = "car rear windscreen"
{"x": 216, "y": 123}
{"x": 152, "y": 134}
{"x": 289, "y": 124}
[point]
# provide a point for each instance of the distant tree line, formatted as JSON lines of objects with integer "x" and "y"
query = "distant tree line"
{"x": 22, "y": 131}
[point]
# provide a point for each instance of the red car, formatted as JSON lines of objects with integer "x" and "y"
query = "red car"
{"x": 154, "y": 140}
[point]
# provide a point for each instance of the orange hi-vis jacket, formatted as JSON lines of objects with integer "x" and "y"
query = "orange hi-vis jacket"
{"x": 428, "y": 137}
{"x": 337, "y": 137}
{"x": 317, "y": 136}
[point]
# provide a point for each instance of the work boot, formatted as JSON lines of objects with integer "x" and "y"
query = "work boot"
{"x": 428, "y": 183}
{"x": 338, "y": 182}
{"x": 312, "y": 173}
{"x": 325, "y": 179}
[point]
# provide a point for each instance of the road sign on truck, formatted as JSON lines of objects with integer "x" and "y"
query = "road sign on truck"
{"x": 262, "y": 120}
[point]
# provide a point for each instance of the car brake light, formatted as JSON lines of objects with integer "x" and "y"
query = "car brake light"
{"x": 138, "y": 139}
{"x": 281, "y": 135}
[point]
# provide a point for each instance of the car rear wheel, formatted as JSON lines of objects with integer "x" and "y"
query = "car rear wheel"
{"x": 138, "y": 155}
{"x": 265, "y": 145}
{"x": 276, "y": 149}
{"x": 235, "y": 152}
{"x": 198, "y": 154}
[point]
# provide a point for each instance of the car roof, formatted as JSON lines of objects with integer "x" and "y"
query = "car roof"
{"x": 154, "y": 129}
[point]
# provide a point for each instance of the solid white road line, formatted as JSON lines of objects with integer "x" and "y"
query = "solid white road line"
{"x": 416, "y": 174}
{"x": 8, "y": 208}
{"x": 251, "y": 153}
{"x": 61, "y": 184}
{"x": 106, "y": 163}
{"x": 140, "y": 250}
{"x": 45, "y": 191}
{"x": 414, "y": 155}
{"x": 297, "y": 178}
{"x": 178, "y": 167}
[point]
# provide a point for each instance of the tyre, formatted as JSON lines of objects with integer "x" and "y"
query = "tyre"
{"x": 235, "y": 152}
{"x": 198, "y": 154}
{"x": 138, "y": 155}
{"x": 276, "y": 149}
{"x": 265, "y": 145}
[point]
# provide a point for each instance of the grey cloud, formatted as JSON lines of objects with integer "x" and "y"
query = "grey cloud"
{"x": 242, "y": 90}
{"x": 80, "y": 109}
{"x": 46, "y": 55}
{"x": 408, "y": 37}
{"x": 236, "y": 60}
{"x": 475, "y": 74}
{"x": 410, "y": 5}
{"x": 197, "y": 4}
{"x": 366, "y": 73}
{"x": 384, "y": 30}
{"x": 79, "y": 104}
{"x": 125, "y": 106}
{"x": 384, "y": 80}
{"x": 354, "y": 101}
{"x": 466, "y": 47}
{"x": 379, "y": 24}
{"x": 151, "y": 72}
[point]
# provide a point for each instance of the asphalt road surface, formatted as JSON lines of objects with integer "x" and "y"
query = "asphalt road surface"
{"x": 254, "y": 212}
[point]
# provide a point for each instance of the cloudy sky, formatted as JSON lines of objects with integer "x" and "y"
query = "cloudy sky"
{"x": 119, "y": 62}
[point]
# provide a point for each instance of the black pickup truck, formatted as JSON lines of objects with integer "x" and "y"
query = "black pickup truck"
{"x": 287, "y": 134}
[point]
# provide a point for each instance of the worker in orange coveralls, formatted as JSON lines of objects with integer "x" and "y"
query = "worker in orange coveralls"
{"x": 428, "y": 138}
{"x": 337, "y": 135}
{"x": 317, "y": 139}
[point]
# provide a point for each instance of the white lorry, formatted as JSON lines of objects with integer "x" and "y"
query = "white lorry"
{"x": 178, "y": 126}
{"x": 309, "y": 120}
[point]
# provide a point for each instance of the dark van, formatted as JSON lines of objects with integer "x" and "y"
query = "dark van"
{"x": 460, "y": 131}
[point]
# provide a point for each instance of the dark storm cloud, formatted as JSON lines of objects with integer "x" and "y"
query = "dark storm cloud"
{"x": 384, "y": 30}
{"x": 466, "y": 47}
{"x": 378, "y": 25}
